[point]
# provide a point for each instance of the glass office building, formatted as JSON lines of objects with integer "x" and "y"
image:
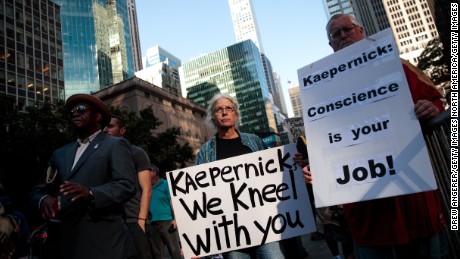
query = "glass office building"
{"x": 338, "y": 6}
{"x": 370, "y": 13}
{"x": 245, "y": 22}
{"x": 134, "y": 32}
{"x": 162, "y": 64}
{"x": 236, "y": 70}
{"x": 31, "y": 60}
{"x": 96, "y": 43}
{"x": 245, "y": 27}
{"x": 157, "y": 54}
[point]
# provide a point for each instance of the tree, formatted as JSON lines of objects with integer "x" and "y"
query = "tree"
{"x": 139, "y": 127}
{"x": 442, "y": 20}
{"x": 28, "y": 137}
{"x": 163, "y": 149}
{"x": 27, "y": 140}
{"x": 436, "y": 65}
{"x": 166, "y": 153}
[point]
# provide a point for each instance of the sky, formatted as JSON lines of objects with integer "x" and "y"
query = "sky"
{"x": 293, "y": 31}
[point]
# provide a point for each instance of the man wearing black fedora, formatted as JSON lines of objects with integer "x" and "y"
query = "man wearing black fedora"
{"x": 87, "y": 183}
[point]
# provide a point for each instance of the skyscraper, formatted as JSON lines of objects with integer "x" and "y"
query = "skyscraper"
{"x": 294, "y": 94}
{"x": 235, "y": 70}
{"x": 163, "y": 76}
{"x": 411, "y": 21}
{"x": 246, "y": 28}
{"x": 97, "y": 44}
{"x": 413, "y": 26}
{"x": 338, "y": 6}
{"x": 31, "y": 65}
{"x": 134, "y": 31}
{"x": 157, "y": 54}
{"x": 244, "y": 22}
{"x": 279, "y": 89}
{"x": 161, "y": 68}
{"x": 370, "y": 13}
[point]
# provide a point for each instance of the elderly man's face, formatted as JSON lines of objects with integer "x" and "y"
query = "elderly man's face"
{"x": 343, "y": 32}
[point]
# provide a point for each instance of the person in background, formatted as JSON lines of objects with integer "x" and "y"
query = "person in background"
{"x": 87, "y": 184}
{"x": 137, "y": 208}
{"x": 406, "y": 226}
{"x": 13, "y": 228}
{"x": 163, "y": 224}
{"x": 301, "y": 158}
{"x": 222, "y": 114}
{"x": 335, "y": 228}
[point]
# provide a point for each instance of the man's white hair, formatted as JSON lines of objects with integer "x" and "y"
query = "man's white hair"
{"x": 338, "y": 15}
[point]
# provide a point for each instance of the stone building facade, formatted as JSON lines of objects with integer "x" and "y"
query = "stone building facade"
{"x": 136, "y": 94}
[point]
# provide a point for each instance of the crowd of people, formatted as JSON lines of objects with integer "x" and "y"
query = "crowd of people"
{"x": 102, "y": 198}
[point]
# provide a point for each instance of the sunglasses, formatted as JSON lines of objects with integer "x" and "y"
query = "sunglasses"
{"x": 80, "y": 109}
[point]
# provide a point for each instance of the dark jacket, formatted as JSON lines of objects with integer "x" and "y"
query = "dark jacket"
{"x": 94, "y": 229}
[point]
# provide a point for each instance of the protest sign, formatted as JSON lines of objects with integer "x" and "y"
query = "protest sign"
{"x": 240, "y": 202}
{"x": 364, "y": 140}
{"x": 296, "y": 128}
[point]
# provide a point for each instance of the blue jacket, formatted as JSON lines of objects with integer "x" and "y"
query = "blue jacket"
{"x": 208, "y": 150}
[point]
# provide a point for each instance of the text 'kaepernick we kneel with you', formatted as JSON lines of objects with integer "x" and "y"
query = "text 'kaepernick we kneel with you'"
{"x": 240, "y": 202}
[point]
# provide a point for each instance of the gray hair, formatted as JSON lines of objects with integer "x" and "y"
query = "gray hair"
{"x": 338, "y": 15}
{"x": 210, "y": 110}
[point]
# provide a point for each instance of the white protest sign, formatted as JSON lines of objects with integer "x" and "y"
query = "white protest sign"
{"x": 240, "y": 202}
{"x": 364, "y": 140}
{"x": 296, "y": 128}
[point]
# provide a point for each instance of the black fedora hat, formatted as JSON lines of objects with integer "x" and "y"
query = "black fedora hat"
{"x": 95, "y": 102}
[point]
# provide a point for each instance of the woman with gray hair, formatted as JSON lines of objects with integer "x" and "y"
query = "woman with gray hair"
{"x": 222, "y": 114}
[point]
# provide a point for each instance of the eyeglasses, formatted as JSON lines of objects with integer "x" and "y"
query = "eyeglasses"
{"x": 221, "y": 110}
{"x": 80, "y": 109}
{"x": 346, "y": 29}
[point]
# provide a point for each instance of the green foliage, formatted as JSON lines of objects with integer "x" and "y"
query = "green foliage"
{"x": 27, "y": 140}
{"x": 46, "y": 127}
{"x": 8, "y": 123}
{"x": 139, "y": 127}
{"x": 433, "y": 62}
{"x": 163, "y": 149}
{"x": 167, "y": 153}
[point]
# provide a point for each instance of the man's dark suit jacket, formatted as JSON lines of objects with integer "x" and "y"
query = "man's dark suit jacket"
{"x": 94, "y": 229}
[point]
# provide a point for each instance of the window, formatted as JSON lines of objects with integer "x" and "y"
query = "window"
{"x": 10, "y": 31}
{"x": 20, "y": 60}
{"x": 30, "y": 63}
{"x": 21, "y": 82}
{"x": 30, "y": 83}
{"x": 28, "y": 18}
{"x": 9, "y": 11}
{"x": 11, "y": 79}
{"x": 19, "y": 16}
{"x": 10, "y": 56}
